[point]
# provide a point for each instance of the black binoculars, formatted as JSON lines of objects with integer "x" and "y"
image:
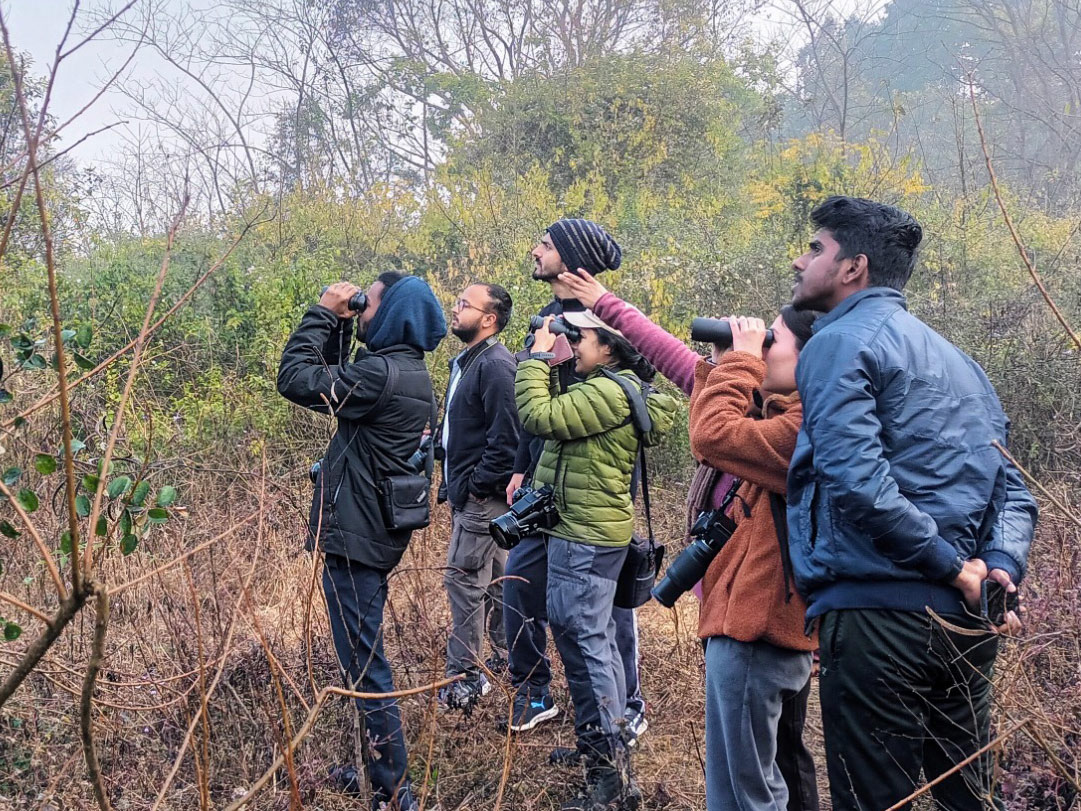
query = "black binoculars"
{"x": 358, "y": 302}
{"x": 557, "y": 327}
{"x": 716, "y": 331}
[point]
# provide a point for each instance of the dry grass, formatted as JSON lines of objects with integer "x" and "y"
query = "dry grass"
{"x": 167, "y": 640}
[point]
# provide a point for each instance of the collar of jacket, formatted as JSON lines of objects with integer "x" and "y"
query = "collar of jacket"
{"x": 852, "y": 301}
{"x": 472, "y": 353}
{"x": 778, "y": 403}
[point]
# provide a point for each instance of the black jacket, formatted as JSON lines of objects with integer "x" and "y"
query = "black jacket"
{"x": 483, "y": 423}
{"x": 368, "y": 445}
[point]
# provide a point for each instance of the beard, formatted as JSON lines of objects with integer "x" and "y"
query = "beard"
{"x": 465, "y": 334}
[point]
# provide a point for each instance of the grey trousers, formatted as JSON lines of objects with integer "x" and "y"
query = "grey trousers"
{"x": 581, "y": 588}
{"x": 746, "y": 683}
{"x": 473, "y": 563}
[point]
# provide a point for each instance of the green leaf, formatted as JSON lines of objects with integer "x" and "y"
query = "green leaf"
{"x": 12, "y": 475}
{"x": 82, "y": 506}
{"x": 90, "y": 483}
{"x": 22, "y": 342}
{"x": 142, "y": 490}
{"x": 157, "y": 515}
{"x": 82, "y": 361}
{"x": 125, "y": 522}
{"x": 128, "y": 543}
{"x": 45, "y": 463}
{"x": 119, "y": 486}
{"x": 102, "y": 527}
{"x": 65, "y": 542}
{"x": 166, "y": 496}
{"x": 7, "y": 529}
{"x": 28, "y": 498}
{"x": 76, "y": 446}
{"x": 19, "y": 422}
{"x": 84, "y": 335}
{"x": 66, "y": 335}
{"x": 5, "y": 397}
{"x": 11, "y": 631}
{"x": 35, "y": 361}
{"x": 5, "y": 330}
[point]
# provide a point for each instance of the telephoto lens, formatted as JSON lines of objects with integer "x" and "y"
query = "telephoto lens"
{"x": 717, "y": 331}
{"x": 711, "y": 532}
{"x": 358, "y": 302}
{"x": 557, "y": 327}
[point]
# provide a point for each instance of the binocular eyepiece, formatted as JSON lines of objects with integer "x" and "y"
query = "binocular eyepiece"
{"x": 557, "y": 327}
{"x": 716, "y": 331}
{"x": 358, "y": 302}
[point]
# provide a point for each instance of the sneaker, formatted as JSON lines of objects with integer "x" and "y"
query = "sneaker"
{"x": 636, "y": 724}
{"x": 530, "y": 712}
{"x": 464, "y": 695}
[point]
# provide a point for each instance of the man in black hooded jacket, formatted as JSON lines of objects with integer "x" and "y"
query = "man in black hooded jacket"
{"x": 379, "y": 428}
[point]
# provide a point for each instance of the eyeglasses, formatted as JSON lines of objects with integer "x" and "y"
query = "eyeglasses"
{"x": 462, "y": 304}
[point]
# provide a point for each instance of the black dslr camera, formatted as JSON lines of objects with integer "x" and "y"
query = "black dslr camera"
{"x": 710, "y": 532}
{"x": 557, "y": 327}
{"x": 532, "y": 510}
{"x": 716, "y": 331}
{"x": 358, "y": 302}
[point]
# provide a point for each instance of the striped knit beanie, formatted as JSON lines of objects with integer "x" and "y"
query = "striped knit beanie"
{"x": 584, "y": 244}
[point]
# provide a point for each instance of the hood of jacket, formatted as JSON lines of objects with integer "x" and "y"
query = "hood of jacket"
{"x": 408, "y": 314}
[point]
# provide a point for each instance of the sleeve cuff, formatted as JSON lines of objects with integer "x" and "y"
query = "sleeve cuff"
{"x": 1000, "y": 560}
{"x": 941, "y": 562}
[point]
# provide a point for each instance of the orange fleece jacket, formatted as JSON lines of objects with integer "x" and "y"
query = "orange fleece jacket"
{"x": 744, "y": 589}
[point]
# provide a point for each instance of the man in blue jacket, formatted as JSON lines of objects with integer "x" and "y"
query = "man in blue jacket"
{"x": 899, "y": 509}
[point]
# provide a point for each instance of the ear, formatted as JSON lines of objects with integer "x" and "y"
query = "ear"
{"x": 856, "y": 274}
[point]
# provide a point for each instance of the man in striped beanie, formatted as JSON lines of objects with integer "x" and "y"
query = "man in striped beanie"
{"x": 571, "y": 244}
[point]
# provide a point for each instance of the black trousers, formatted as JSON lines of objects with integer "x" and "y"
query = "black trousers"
{"x": 902, "y": 693}
{"x": 793, "y": 758}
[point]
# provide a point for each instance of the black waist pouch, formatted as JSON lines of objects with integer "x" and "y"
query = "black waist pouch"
{"x": 639, "y": 572}
{"x": 404, "y": 501}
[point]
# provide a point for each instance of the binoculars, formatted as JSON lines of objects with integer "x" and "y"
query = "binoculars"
{"x": 557, "y": 327}
{"x": 358, "y": 302}
{"x": 716, "y": 331}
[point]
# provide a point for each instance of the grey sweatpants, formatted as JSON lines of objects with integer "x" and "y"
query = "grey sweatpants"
{"x": 581, "y": 589}
{"x": 473, "y": 563}
{"x": 746, "y": 683}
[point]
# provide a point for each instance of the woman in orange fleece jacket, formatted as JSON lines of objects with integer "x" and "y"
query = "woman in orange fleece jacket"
{"x": 745, "y": 415}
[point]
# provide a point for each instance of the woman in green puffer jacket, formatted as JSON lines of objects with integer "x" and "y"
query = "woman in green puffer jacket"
{"x": 589, "y": 455}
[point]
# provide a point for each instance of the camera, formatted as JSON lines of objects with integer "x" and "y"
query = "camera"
{"x": 358, "y": 302}
{"x": 557, "y": 327}
{"x": 716, "y": 331}
{"x": 532, "y": 510}
{"x": 420, "y": 456}
{"x": 710, "y": 532}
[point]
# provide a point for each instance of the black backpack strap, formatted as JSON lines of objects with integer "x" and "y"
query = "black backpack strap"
{"x": 643, "y": 424}
{"x": 388, "y": 387}
{"x": 429, "y": 459}
{"x": 779, "y": 507}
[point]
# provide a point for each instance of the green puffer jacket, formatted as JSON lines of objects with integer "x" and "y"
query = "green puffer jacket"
{"x": 599, "y": 445}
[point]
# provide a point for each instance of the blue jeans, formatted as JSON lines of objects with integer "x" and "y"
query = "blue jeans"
{"x": 355, "y": 598}
{"x": 525, "y": 619}
{"x": 581, "y": 588}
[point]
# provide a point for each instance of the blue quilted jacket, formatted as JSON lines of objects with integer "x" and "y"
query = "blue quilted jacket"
{"x": 894, "y": 482}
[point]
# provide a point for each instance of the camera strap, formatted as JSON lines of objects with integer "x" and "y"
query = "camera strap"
{"x": 643, "y": 424}
{"x": 779, "y": 507}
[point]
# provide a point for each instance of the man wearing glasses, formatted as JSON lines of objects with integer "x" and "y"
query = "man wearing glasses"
{"x": 479, "y": 435}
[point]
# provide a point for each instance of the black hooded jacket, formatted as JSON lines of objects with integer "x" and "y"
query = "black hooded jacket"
{"x": 369, "y": 445}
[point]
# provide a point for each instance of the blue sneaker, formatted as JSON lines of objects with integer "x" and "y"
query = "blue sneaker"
{"x": 528, "y": 712}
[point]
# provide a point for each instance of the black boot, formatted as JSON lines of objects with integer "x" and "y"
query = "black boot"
{"x": 610, "y": 786}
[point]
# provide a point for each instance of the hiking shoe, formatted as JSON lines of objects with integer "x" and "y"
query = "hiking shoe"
{"x": 528, "y": 712}
{"x": 464, "y": 695}
{"x": 497, "y": 663}
{"x": 346, "y": 779}
{"x": 564, "y": 756}
{"x": 609, "y": 786}
{"x": 635, "y": 724}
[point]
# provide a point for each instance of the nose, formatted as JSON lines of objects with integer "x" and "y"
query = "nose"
{"x": 799, "y": 263}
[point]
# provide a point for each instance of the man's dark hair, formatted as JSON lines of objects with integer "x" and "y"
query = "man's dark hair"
{"x": 501, "y": 304}
{"x": 887, "y": 236}
{"x": 389, "y": 278}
